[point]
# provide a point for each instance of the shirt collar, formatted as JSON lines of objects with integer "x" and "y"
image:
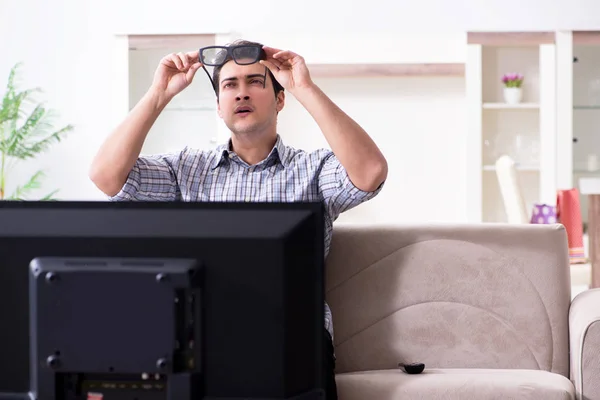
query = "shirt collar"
{"x": 224, "y": 151}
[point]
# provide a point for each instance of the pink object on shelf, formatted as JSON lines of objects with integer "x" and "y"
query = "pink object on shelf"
{"x": 568, "y": 212}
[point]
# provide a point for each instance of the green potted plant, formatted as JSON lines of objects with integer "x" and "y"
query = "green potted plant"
{"x": 26, "y": 130}
{"x": 512, "y": 88}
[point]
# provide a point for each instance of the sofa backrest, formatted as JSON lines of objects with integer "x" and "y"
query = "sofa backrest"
{"x": 450, "y": 296}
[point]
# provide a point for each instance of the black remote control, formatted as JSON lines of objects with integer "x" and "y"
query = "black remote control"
{"x": 414, "y": 368}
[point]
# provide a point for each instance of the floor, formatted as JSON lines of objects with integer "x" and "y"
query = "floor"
{"x": 581, "y": 274}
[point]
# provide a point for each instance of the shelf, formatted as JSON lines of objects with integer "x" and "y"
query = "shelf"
{"x": 586, "y": 38}
{"x": 510, "y": 38}
{"x": 525, "y": 131}
{"x": 170, "y": 41}
{"x": 382, "y": 70}
{"x": 525, "y": 168}
{"x": 586, "y": 107}
{"x": 505, "y": 106}
{"x": 191, "y": 108}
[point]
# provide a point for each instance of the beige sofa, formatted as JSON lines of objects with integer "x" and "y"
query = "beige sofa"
{"x": 486, "y": 308}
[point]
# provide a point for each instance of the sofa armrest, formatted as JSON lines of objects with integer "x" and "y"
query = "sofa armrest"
{"x": 584, "y": 337}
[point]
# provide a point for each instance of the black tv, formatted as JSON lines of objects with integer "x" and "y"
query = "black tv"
{"x": 258, "y": 272}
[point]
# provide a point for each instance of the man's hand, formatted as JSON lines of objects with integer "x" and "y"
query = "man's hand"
{"x": 175, "y": 72}
{"x": 288, "y": 68}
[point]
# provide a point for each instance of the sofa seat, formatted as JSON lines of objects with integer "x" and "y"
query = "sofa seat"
{"x": 450, "y": 384}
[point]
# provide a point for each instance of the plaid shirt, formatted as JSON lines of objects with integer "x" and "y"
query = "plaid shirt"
{"x": 286, "y": 175}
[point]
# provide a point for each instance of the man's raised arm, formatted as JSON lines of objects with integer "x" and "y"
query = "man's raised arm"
{"x": 359, "y": 155}
{"x": 119, "y": 152}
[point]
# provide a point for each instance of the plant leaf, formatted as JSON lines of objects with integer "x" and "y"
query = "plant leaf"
{"x": 35, "y": 136}
{"x": 50, "y": 196}
{"x": 26, "y": 130}
{"x": 18, "y": 135}
{"x": 33, "y": 183}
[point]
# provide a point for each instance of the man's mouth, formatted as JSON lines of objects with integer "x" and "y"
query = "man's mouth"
{"x": 243, "y": 110}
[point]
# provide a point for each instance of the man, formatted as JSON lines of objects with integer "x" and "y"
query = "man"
{"x": 249, "y": 81}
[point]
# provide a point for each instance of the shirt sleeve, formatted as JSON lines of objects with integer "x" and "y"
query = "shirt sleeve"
{"x": 152, "y": 178}
{"x": 337, "y": 190}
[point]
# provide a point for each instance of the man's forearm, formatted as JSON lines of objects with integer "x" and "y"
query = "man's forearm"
{"x": 365, "y": 164}
{"x": 118, "y": 153}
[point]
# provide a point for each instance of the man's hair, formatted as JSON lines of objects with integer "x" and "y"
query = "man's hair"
{"x": 217, "y": 70}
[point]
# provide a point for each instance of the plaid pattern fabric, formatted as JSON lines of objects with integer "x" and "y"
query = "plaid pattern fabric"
{"x": 286, "y": 175}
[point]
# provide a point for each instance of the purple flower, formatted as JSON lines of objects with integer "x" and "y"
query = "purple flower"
{"x": 512, "y": 79}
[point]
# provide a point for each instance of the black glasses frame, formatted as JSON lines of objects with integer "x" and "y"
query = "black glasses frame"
{"x": 231, "y": 51}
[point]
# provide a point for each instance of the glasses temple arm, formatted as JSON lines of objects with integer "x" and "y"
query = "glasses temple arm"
{"x": 209, "y": 77}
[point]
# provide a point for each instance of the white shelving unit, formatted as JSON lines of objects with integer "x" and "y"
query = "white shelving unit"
{"x": 524, "y": 131}
{"x": 505, "y": 106}
{"x": 579, "y": 111}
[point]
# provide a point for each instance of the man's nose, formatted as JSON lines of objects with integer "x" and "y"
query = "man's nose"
{"x": 243, "y": 92}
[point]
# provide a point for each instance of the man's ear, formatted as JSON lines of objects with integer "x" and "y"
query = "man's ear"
{"x": 280, "y": 100}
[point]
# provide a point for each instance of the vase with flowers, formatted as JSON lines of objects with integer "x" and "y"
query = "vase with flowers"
{"x": 513, "y": 92}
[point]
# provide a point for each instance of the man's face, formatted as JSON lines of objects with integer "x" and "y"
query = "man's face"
{"x": 246, "y": 103}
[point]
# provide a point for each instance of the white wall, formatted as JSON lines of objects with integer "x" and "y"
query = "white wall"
{"x": 383, "y": 16}
{"x": 68, "y": 49}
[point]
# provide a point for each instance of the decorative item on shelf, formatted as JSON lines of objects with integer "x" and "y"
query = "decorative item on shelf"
{"x": 568, "y": 213}
{"x": 510, "y": 190}
{"x": 543, "y": 214}
{"x": 513, "y": 92}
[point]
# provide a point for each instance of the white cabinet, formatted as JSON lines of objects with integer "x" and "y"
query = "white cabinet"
{"x": 525, "y": 131}
{"x": 553, "y": 134}
{"x": 578, "y": 153}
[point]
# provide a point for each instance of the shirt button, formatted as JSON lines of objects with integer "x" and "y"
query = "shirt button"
{"x": 247, "y": 199}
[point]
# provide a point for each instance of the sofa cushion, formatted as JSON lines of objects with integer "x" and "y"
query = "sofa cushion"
{"x": 451, "y": 384}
